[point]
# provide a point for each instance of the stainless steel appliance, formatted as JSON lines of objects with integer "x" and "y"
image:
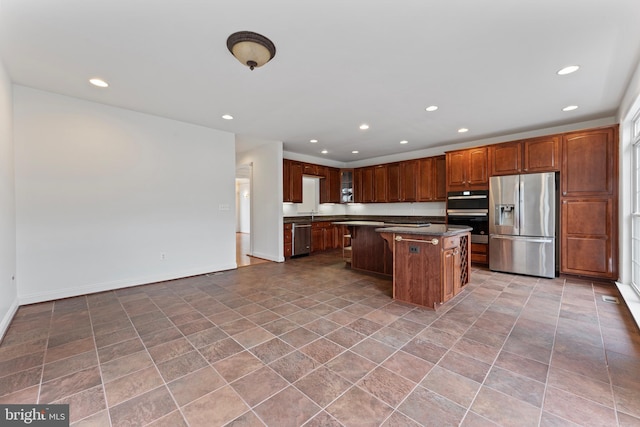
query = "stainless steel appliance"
{"x": 301, "y": 239}
{"x": 522, "y": 224}
{"x": 470, "y": 209}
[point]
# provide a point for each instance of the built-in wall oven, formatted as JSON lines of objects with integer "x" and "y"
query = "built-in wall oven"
{"x": 471, "y": 209}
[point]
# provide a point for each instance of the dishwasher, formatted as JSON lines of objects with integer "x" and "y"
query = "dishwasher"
{"x": 301, "y": 239}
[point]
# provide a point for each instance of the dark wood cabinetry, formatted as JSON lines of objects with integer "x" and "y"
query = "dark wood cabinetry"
{"x": 291, "y": 181}
{"x": 428, "y": 270}
{"x": 526, "y": 156}
{"x": 589, "y": 203}
{"x": 589, "y": 163}
{"x": 330, "y": 186}
{"x": 288, "y": 248}
{"x": 380, "y": 183}
{"x": 402, "y": 181}
{"x": 432, "y": 179}
{"x": 467, "y": 169}
{"x": 325, "y": 236}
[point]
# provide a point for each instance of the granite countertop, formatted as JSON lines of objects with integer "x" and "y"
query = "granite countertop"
{"x": 432, "y": 230}
{"x": 372, "y": 219}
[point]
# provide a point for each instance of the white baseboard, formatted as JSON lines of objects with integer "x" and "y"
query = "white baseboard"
{"x": 118, "y": 284}
{"x": 632, "y": 299}
{"x": 8, "y": 317}
{"x": 266, "y": 256}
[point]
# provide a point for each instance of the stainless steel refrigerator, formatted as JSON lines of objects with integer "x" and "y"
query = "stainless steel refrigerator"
{"x": 523, "y": 224}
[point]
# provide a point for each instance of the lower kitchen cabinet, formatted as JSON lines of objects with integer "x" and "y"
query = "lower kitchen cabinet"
{"x": 288, "y": 249}
{"x": 480, "y": 253}
{"x": 587, "y": 238}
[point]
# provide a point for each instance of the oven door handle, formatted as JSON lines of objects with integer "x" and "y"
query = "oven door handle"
{"x": 467, "y": 197}
{"x": 458, "y": 212}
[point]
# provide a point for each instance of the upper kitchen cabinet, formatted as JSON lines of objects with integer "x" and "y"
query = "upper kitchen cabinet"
{"x": 432, "y": 179}
{"x": 467, "y": 169}
{"x": 291, "y": 181}
{"x": 402, "y": 181}
{"x": 314, "y": 170}
{"x": 370, "y": 184}
{"x": 526, "y": 156}
{"x": 330, "y": 187}
{"x": 380, "y": 183}
{"x": 346, "y": 186}
{"x": 589, "y": 163}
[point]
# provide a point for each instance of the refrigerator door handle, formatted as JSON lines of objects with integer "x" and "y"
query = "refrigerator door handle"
{"x": 528, "y": 239}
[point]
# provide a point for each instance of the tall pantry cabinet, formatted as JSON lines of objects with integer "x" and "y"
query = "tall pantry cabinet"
{"x": 589, "y": 203}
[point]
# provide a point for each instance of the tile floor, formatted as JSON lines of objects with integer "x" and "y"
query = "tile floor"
{"x": 311, "y": 343}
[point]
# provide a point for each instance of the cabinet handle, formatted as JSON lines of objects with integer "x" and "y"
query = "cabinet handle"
{"x": 564, "y": 193}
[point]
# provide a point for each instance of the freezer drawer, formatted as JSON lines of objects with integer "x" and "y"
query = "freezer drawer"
{"x": 534, "y": 256}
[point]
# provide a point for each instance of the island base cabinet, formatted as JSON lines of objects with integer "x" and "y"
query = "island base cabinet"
{"x": 429, "y": 271}
{"x": 414, "y": 280}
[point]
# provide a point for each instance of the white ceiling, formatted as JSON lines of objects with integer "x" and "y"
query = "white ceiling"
{"x": 489, "y": 65}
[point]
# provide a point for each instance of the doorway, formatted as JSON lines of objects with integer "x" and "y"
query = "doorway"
{"x": 244, "y": 242}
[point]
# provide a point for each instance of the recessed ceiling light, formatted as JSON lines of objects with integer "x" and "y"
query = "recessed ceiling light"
{"x": 568, "y": 70}
{"x": 570, "y": 108}
{"x": 313, "y": 141}
{"x": 227, "y": 117}
{"x": 463, "y": 130}
{"x": 355, "y": 152}
{"x": 364, "y": 126}
{"x": 404, "y": 142}
{"x": 431, "y": 108}
{"x": 324, "y": 151}
{"x": 98, "y": 82}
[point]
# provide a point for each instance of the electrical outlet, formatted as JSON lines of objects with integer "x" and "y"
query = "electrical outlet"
{"x": 162, "y": 256}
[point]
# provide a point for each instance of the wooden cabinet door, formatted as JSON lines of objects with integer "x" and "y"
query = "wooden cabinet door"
{"x": 291, "y": 181}
{"x": 589, "y": 163}
{"x": 541, "y": 154}
{"x": 408, "y": 181}
{"x": 440, "y": 185}
{"x": 286, "y": 180}
{"x": 478, "y": 170}
{"x": 380, "y": 183}
{"x": 506, "y": 159}
{"x": 457, "y": 165}
{"x": 363, "y": 185}
{"x": 296, "y": 182}
{"x": 330, "y": 186}
{"x": 425, "y": 179}
{"x": 449, "y": 273}
{"x": 393, "y": 182}
{"x": 587, "y": 237}
{"x": 317, "y": 238}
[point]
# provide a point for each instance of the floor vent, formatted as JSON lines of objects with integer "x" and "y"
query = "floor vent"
{"x": 610, "y": 299}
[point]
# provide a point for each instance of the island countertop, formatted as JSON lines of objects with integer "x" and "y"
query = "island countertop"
{"x": 431, "y": 230}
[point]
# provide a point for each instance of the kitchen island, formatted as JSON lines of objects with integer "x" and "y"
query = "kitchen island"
{"x": 430, "y": 264}
{"x": 369, "y": 252}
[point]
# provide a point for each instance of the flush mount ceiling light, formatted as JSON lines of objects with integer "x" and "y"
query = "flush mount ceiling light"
{"x": 404, "y": 141}
{"x": 364, "y": 126}
{"x": 98, "y": 82}
{"x": 251, "y": 49}
{"x": 431, "y": 108}
{"x": 570, "y": 108}
{"x": 313, "y": 141}
{"x": 227, "y": 117}
{"x": 463, "y": 130}
{"x": 568, "y": 70}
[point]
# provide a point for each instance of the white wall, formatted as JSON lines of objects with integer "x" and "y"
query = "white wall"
{"x": 266, "y": 199}
{"x": 8, "y": 287}
{"x": 104, "y": 194}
